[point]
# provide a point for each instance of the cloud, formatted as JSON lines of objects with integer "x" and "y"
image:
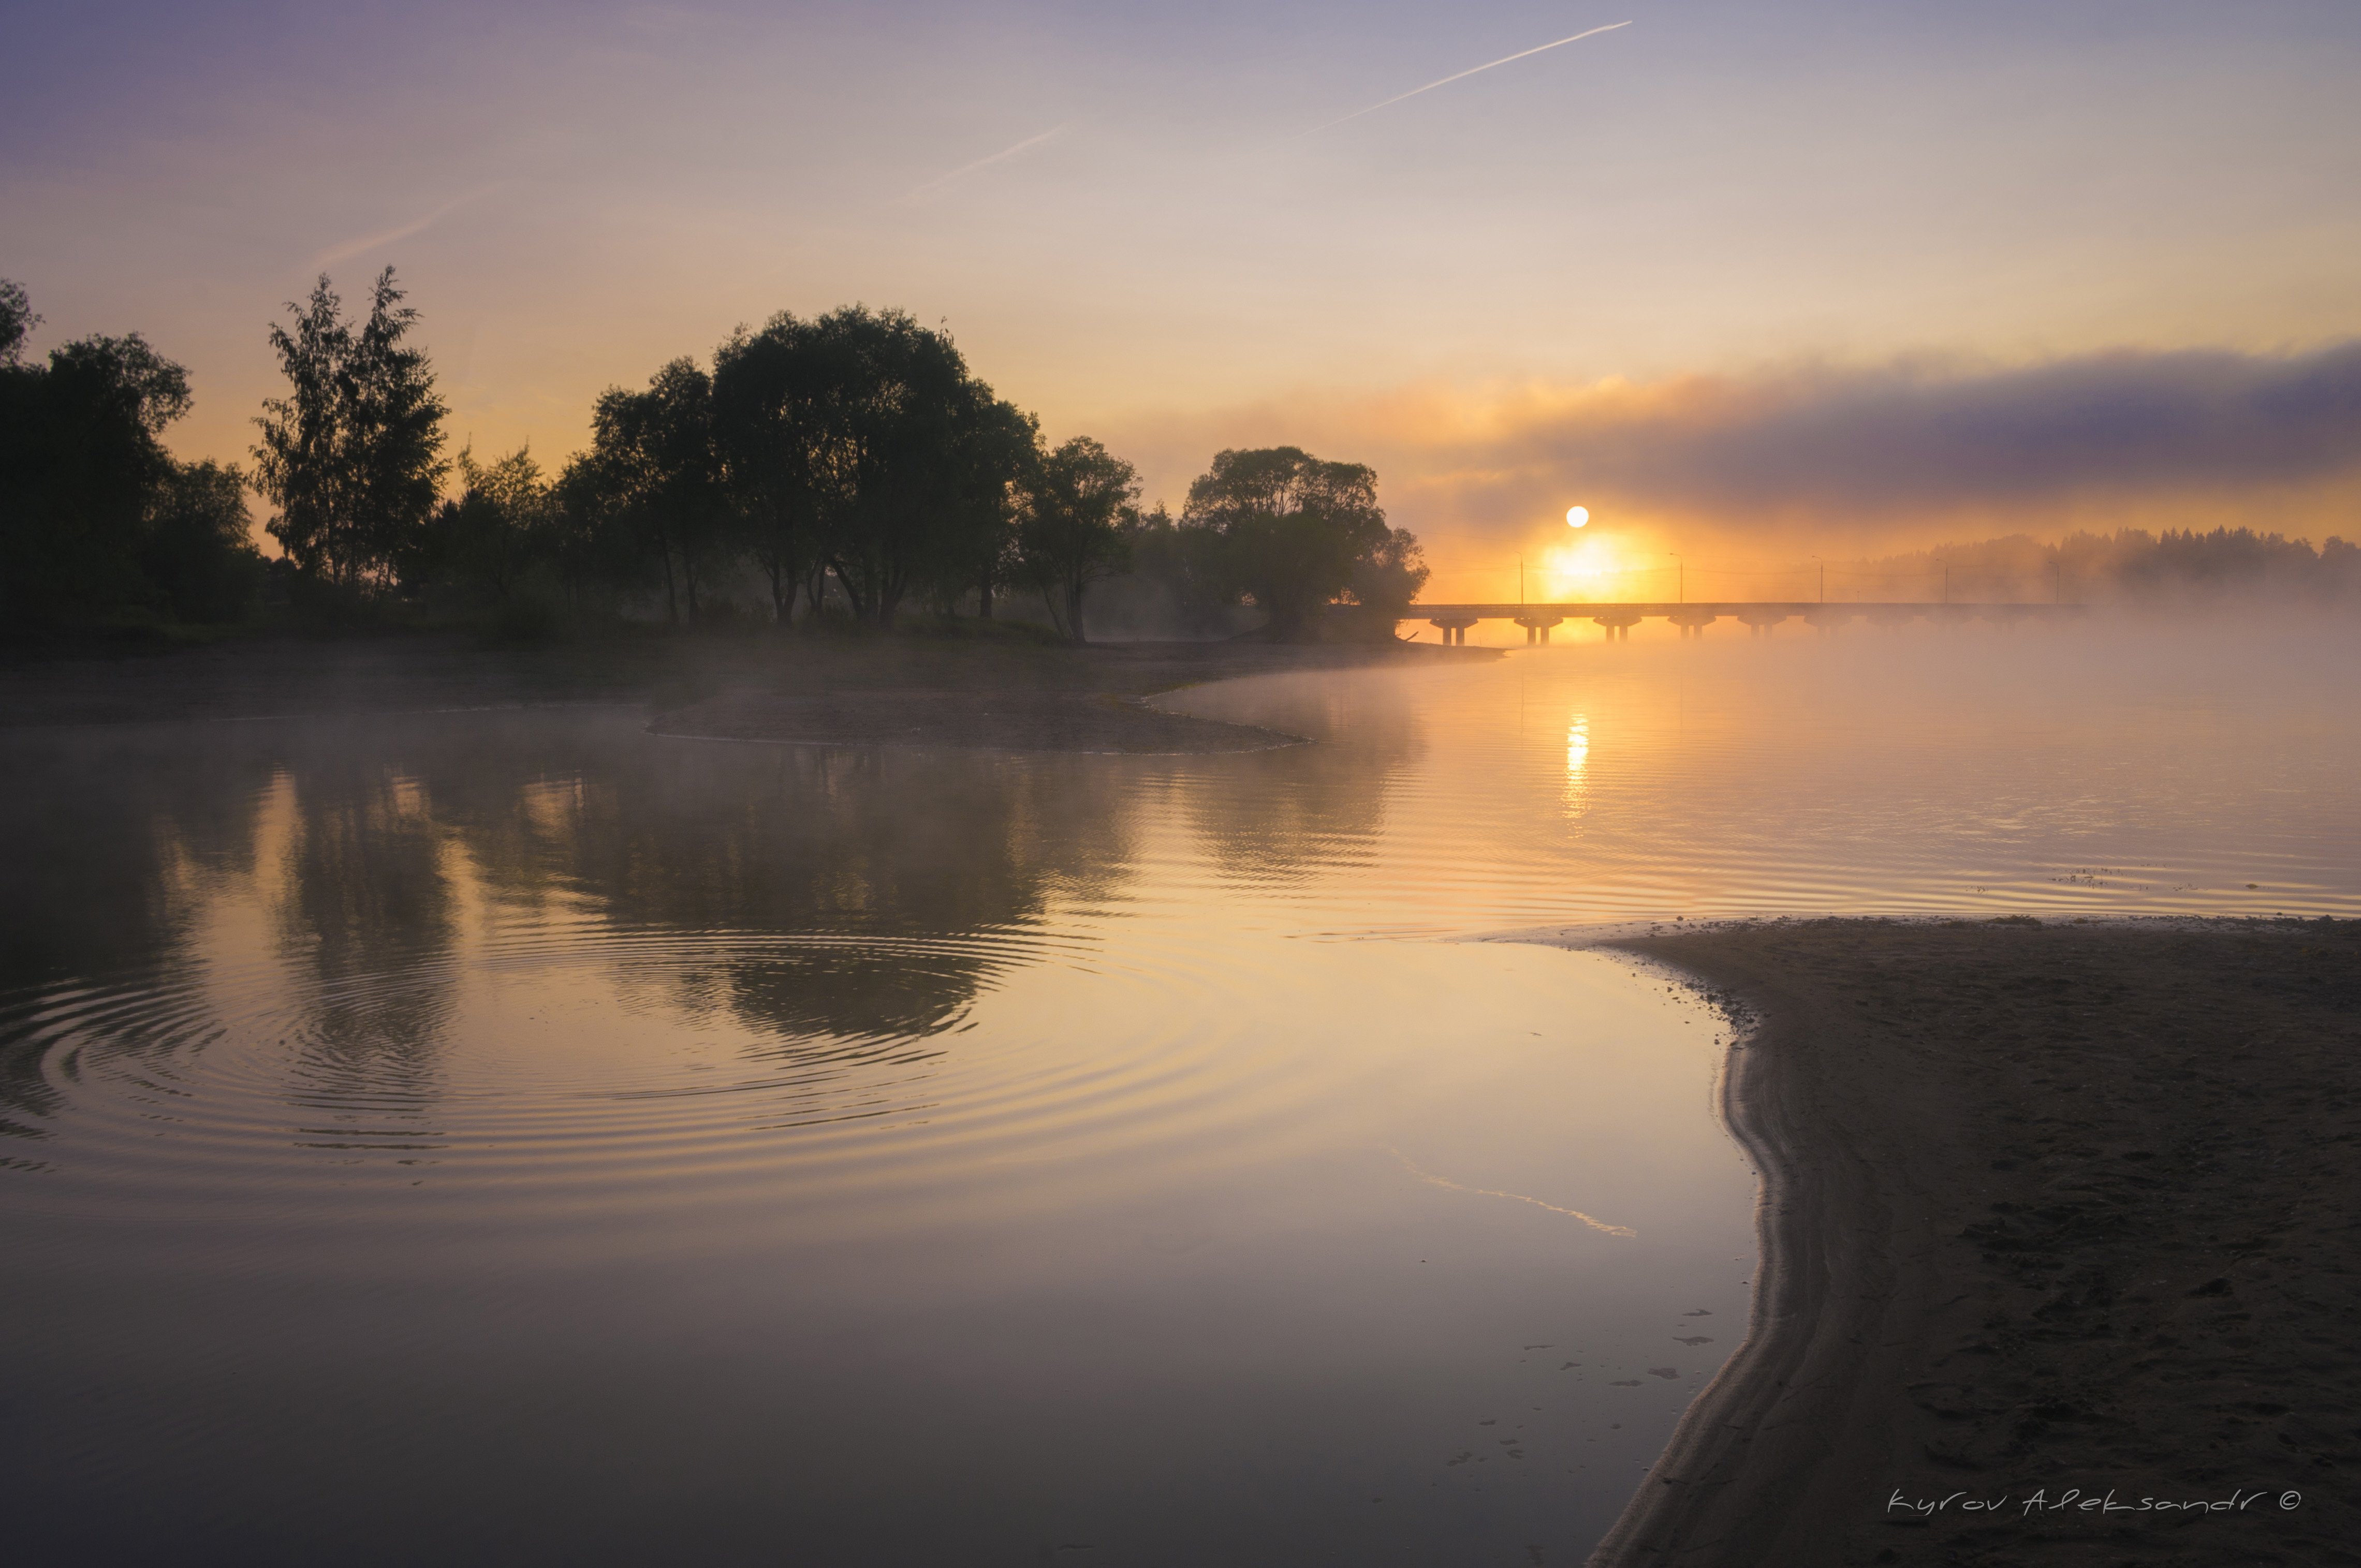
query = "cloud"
{"x": 1914, "y": 438}
{"x": 2154, "y": 439}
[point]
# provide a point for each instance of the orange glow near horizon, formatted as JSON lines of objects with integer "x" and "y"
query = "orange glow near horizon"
{"x": 1595, "y": 566}
{"x": 1591, "y": 566}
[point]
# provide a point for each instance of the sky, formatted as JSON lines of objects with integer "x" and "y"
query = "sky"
{"x": 1748, "y": 278}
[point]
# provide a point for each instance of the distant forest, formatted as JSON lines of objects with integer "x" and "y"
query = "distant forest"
{"x": 2129, "y": 566}
{"x": 846, "y": 469}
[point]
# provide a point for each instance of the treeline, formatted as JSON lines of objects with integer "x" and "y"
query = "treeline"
{"x": 96, "y": 519}
{"x": 850, "y": 466}
{"x": 2129, "y": 566}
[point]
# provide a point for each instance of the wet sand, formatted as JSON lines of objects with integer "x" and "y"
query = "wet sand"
{"x": 2049, "y": 1209}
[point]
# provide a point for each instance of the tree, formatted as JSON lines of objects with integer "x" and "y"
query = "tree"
{"x": 82, "y": 462}
{"x": 1173, "y": 568}
{"x": 352, "y": 456}
{"x": 499, "y": 525}
{"x": 300, "y": 461}
{"x": 397, "y": 422}
{"x": 768, "y": 436}
{"x": 197, "y": 551}
{"x": 1389, "y": 576}
{"x": 1074, "y": 529}
{"x": 996, "y": 447}
{"x": 901, "y": 424}
{"x": 652, "y": 458}
{"x": 17, "y": 322}
{"x": 1287, "y": 529}
{"x": 95, "y": 516}
{"x": 586, "y": 539}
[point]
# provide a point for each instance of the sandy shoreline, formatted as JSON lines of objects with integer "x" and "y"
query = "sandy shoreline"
{"x": 2045, "y": 1207}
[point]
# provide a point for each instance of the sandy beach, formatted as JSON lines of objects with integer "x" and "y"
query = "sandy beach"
{"x": 2058, "y": 1248}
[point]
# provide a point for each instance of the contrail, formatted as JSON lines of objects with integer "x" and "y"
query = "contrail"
{"x": 940, "y": 181}
{"x": 336, "y": 253}
{"x": 1462, "y": 76}
{"x": 1429, "y": 1176}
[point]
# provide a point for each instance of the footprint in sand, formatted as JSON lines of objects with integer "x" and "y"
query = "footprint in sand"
{"x": 1664, "y": 1372}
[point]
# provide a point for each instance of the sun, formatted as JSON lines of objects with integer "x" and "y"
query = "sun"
{"x": 1576, "y": 516}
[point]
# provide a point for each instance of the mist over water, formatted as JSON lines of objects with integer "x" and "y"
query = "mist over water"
{"x": 2111, "y": 767}
{"x": 521, "y": 1134}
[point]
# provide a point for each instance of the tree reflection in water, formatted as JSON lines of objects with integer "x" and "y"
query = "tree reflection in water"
{"x": 909, "y": 877}
{"x": 1284, "y": 816}
{"x": 109, "y": 842}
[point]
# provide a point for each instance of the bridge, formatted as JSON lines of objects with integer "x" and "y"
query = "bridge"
{"x": 1693, "y": 617}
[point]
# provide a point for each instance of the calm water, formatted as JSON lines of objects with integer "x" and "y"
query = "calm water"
{"x": 509, "y": 1137}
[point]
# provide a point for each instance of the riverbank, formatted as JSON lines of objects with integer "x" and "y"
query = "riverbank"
{"x": 2048, "y": 1208}
{"x": 974, "y": 688}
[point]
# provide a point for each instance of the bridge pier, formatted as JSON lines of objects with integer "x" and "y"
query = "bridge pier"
{"x": 1537, "y": 626}
{"x": 1617, "y": 626}
{"x": 1453, "y": 629}
{"x": 1693, "y": 622}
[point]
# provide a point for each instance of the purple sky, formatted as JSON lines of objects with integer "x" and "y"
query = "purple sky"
{"x": 1170, "y": 254}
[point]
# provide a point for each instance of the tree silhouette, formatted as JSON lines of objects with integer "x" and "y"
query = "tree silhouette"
{"x": 909, "y": 448}
{"x": 1389, "y": 575}
{"x": 653, "y": 460}
{"x": 95, "y": 516}
{"x": 1074, "y": 529}
{"x": 352, "y": 455}
{"x": 1287, "y": 529}
{"x": 196, "y": 550}
{"x": 994, "y": 448}
{"x": 16, "y": 321}
{"x": 498, "y": 528}
{"x": 769, "y": 400}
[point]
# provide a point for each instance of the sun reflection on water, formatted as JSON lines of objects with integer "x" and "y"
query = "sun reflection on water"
{"x": 1577, "y": 766}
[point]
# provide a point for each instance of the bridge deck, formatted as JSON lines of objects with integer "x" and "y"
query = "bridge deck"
{"x": 1691, "y": 617}
{"x": 1592, "y": 610}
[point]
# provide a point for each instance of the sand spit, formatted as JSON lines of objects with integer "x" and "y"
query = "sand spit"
{"x": 2052, "y": 1213}
{"x": 1007, "y": 721}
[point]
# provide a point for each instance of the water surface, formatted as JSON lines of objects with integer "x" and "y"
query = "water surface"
{"x": 516, "y": 1133}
